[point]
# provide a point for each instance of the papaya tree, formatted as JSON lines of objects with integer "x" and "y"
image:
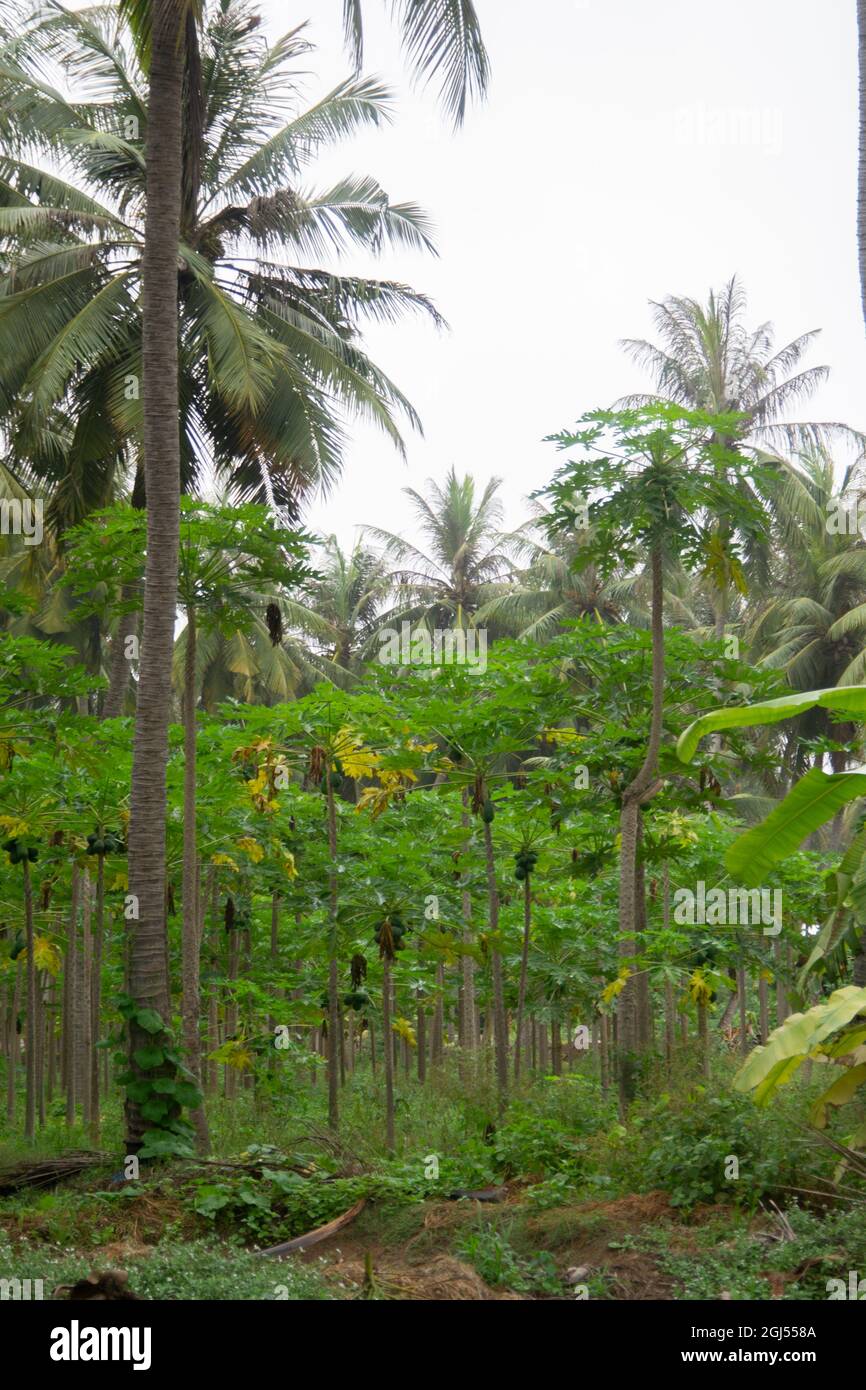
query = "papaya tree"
{"x": 649, "y": 483}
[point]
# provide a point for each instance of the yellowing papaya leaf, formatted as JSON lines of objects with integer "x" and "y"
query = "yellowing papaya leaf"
{"x": 610, "y": 992}
{"x": 357, "y": 761}
{"x": 251, "y": 848}
{"x": 700, "y": 989}
{"x": 224, "y": 861}
{"x": 569, "y": 737}
{"x": 234, "y": 1054}
{"x": 46, "y": 955}
{"x": 16, "y": 829}
{"x": 403, "y": 1028}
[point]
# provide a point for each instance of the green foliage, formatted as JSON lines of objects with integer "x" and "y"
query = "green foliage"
{"x": 690, "y": 1145}
{"x": 489, "y": 1249}
{"x": 176, "y": 1270}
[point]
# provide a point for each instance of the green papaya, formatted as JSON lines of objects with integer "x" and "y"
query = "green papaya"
{"x": 488, "y": 811}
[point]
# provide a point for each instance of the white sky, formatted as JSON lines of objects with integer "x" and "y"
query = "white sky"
{"x": 628, "y": 149}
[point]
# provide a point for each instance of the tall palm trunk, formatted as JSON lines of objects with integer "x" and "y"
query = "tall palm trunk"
{"x": 190, "y": 939}
{"x": 148, "y": 980}
{"x": 70, "y": 971}
{"x": 30, "y": 1092}
{"x": 96, "y": 998}
{"x": 861, "y": 185}
{"x": 635, "y": 795}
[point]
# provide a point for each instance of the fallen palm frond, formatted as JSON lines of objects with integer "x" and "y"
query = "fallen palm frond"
{"x": 293, "y": 1247}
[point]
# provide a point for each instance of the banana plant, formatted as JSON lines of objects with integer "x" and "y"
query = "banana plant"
{"x": 811, "y": 803}
{"x": 823, "y": 1034}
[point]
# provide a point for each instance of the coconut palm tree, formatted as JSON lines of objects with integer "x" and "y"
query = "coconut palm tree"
{"x": 861, "y": 184}
{"x": 441, "y": 38}
{"x": 272, "y": 337}
{"x": 550, "y": 589}
{"x": 812, "y": 628}
{"x": 445, "y": 584}
{"x": 270, "y": 347}
{"x": 708, "y": 359}
{"x": 334, "y": 625}
{"x": 148, "y": 974}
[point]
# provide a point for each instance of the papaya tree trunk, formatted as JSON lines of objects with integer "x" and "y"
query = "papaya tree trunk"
{"x": 334, "y": 1029}
{"x": 524, "y": 968}
{"x": 639, "y": 791}
{"x": 499, "y": 1024}
{"x": 389, "y": 1054}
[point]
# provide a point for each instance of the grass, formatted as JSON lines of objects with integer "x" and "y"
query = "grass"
{"x": 646, "y": 1209}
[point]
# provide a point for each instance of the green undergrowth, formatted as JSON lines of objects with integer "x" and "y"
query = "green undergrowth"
{"x": 560, "y": 1149}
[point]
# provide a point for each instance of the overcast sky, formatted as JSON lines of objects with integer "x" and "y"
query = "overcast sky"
{"x": 628, "y": 149}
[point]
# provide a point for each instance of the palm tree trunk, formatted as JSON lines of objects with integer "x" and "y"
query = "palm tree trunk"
{"x": 85, "y": 981}
{"x": 70, "y": 970}
{"x": 30, "y": 1082}
{"x": 148, "y": 980}
{"x": 96, "y": 999}
{"x": 861, "y": 185}
{"x": 190, "y": 955}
